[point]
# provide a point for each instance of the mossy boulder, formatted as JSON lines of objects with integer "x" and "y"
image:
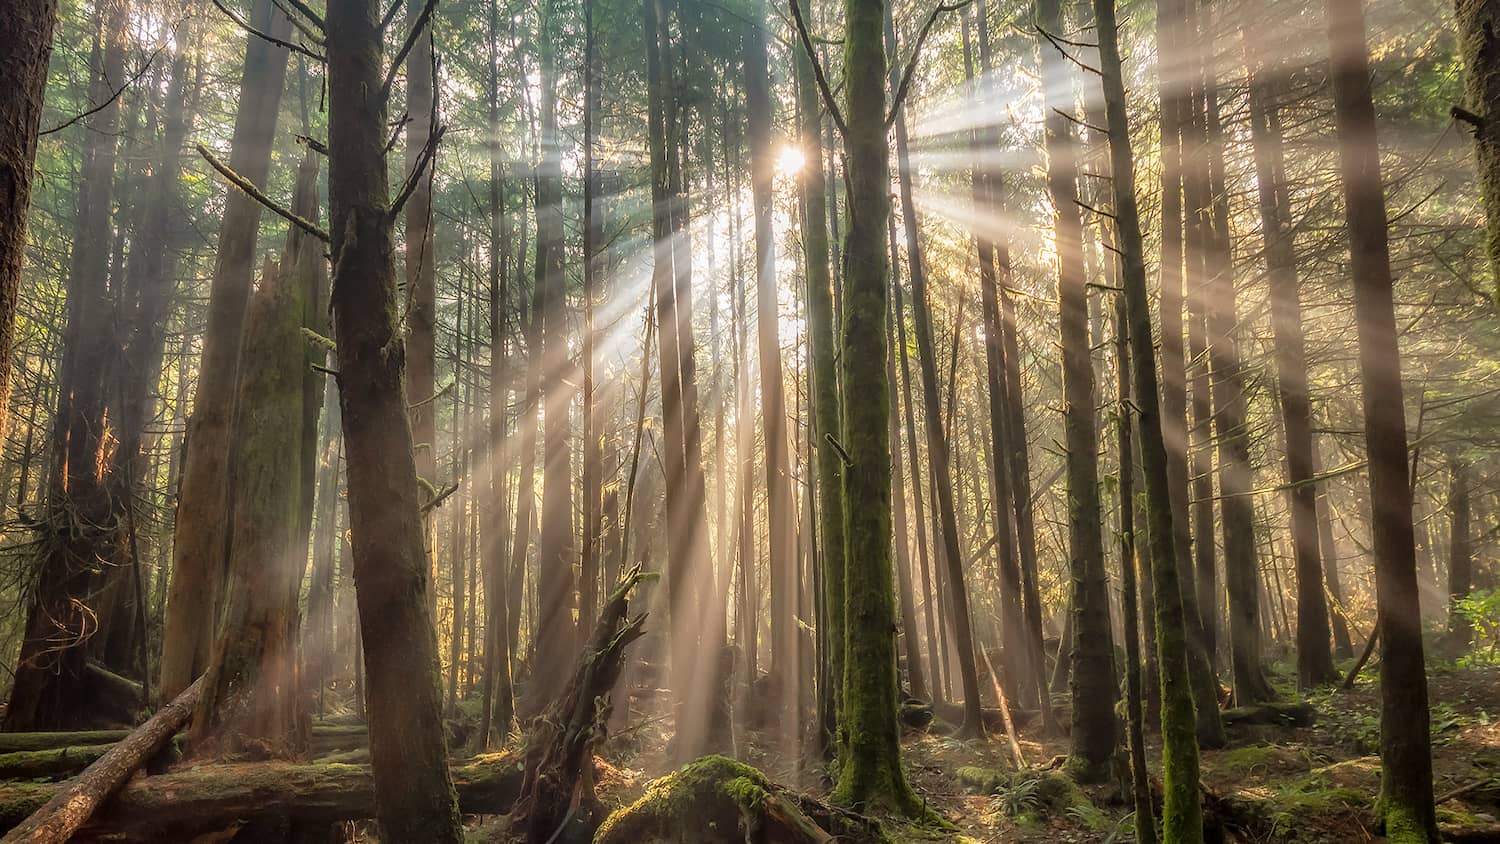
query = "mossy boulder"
{"x": 716, "y": 800}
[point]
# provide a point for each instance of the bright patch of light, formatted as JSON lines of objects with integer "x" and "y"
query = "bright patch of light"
{"x": 790, "y": 160}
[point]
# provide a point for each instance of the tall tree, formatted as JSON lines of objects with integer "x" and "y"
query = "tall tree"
{"x": 421, "y": 267}
{"x": 413, "y": 789}
{"x": 28, "y": 25}
{"x": 1406, "y": 801}
{"x": 1479, "y": 47}
{"x": 1460, "y": 551}
{"x": 200, "y": 546}
{"x": 1314, "y": 659}
{"x": 1092, "y": 681}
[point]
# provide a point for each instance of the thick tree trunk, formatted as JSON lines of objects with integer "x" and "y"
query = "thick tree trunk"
{"x": 28, "y": 25}
{"x": 1406, "y": 755}
{"x": 412, "y": 782}
{"x": 200, "y": 547}
{"x": 252, "y": 698}
{"x": 1479, "y": 46}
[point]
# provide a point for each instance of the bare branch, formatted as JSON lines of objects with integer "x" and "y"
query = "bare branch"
{"x": 419, "y": 170}
{"x": 916, "y": 52}
{"x": 266, "y": 36}
{"x": 417, "y": 29}
{"x": 312, "y": 33}
{"x": 1058, "y": 44}
{"x": 250, "y": 190}
{"x": 112, "y": 97}
{"x": 312, "y": 17}
{"x": 828, "y": 101}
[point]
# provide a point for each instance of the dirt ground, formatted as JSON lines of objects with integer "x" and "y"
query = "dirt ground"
{"x": 1273, "y": 783}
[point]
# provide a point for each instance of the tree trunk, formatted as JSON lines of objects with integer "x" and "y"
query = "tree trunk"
{"x": 1406, "y": 755}
{"x": 28, "y": 25}
{"x": 412, "y": 783}
{"x": 1182, "y": 813}
{"x": 49, "y": 684}
{"x": 937, "y": 444}
{"x": 1460, "y": 552}
{"x": 1314, "y": 660}
{"x": 1093, "y": 679}
{"x": 1479, "y": 46}
{"x": 200, "y": 547}
{"x": 252, "y": 698}
{"x": 870, "y": 770}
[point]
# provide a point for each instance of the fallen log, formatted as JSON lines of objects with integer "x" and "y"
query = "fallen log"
{"x": 17, "y": 742}
{"x": 1300, "y": 714}
{"x": 57, "y": 763}
{"x": 60, "y": 755}
{"x": 56, "y": 820}
{"x": 208, "y": 798}
{"x": 994, "y": 719}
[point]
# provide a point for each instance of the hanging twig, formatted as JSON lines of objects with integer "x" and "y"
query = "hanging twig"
{"x": 254, "y": 193}
{"x": 916, "y": 52}
{"x": 266, "y": 36}
{"x": 828, "y": 101}
{"x": 112, "y": 97}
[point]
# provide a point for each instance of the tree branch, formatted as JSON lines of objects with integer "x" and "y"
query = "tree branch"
{"x": 828, "y": 101}
{"x": 312, "y": 33}
{"x": 417, "y": 29}
{"x": 916, "y": 52}
{"x": 288, "y": 45}
{"x": 112, "y": 97}
{"x": 313, "y": 17}
{"x": 418, "y": 170}
{"x": 250, "y": 190}
{"x": 1058, "y": 44}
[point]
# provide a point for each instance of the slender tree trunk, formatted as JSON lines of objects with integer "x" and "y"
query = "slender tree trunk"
{"x": 1460, "y": 552}
{"x": 937, "y": 445}
{"x": 200, "y": 547}
{"x": 870, "y": 772}
{"x": 1406, "y": 800}
{"x": 780, "y": 519}
{"x": 1092, "y": 684}
{"x": 1181, "y": 807}
{"x": 911, "y": 638}
{"x": 1314, "y": 660}
{"x": 1343, "y": 646}
{"x": 414, "y": 791}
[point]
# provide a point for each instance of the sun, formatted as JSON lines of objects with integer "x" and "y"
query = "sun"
{"x": 790, "y": 160}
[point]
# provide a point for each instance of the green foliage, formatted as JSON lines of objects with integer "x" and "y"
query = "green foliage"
{"x": 1482, "y": 610}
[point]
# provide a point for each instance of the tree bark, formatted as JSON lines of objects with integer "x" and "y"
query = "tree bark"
{"x": 1406, "y": 800}
{"x": 1460, "y": 552}
{"x": 412, "y": 782}
{"x": 1479, "y": 46}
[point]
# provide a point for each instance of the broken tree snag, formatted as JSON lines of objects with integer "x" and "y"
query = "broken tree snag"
{"x": 71, "y": 807}
{"x": 557, "y": 788}
{"x": 209, "y": 798}
{"x": 720, "y": 801}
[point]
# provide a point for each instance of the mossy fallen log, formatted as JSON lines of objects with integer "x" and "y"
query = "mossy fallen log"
{"x": 720, "y": 801}
{"x": 182, "y": 804}
{"x": 994, "y": 719}
{"x": 326, "y": 738}
{"x": 56, "y": 763}
{"x": 1299, "y": 714}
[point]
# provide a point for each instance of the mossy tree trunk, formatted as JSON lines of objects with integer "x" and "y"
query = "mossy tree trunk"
{"x": 1479, "y": 46}
{"x": 252, "y": 697}
{"x": 413, "y": 787}
{"x": 1406, "y": 802}
{"x": 1182, "y": 813}
{"x": 870, "y": 770}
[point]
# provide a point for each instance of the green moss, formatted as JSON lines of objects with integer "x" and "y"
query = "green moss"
{"x": 982, "y": 780}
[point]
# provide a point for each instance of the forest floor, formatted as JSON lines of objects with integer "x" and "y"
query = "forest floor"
{"x": 1272, "y": 783}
